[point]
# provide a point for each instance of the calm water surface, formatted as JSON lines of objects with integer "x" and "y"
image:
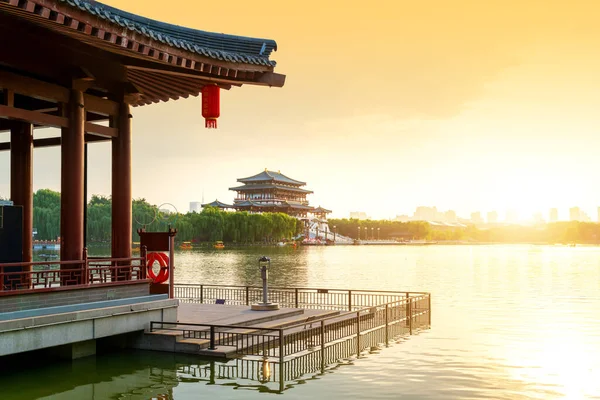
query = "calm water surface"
{"x": 508, "y": 322}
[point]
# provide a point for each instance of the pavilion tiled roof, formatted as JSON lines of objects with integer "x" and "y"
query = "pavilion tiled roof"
{"x": 321, "y": 210}
{"x": 218, "y": 204}
{"x": 244, "y": 204}
{"x": 271, "y": 176}
{"x": 223, "y": 47}
{"x": 269, "y": 186}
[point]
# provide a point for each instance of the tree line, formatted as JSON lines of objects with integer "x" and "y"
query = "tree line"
{"x": 557, "y": 232}
{"x": 211, "y": 224}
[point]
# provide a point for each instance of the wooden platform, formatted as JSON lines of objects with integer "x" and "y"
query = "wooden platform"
{"x": 218, "y": 314}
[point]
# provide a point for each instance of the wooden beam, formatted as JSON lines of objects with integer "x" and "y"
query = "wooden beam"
{"x": 8, "y": 97}
{"x": 272, "y": 79}
{"x": 55, "y": 141}
{"x": 33, "y": 87}
{"x": 34, "y": 117}
{"x": 101, "y": 130}
{"x": 100, "y": 106}
{"x": 225, "y": 82}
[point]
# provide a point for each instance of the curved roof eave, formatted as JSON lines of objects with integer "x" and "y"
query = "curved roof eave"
{"x": 219, "y": 46}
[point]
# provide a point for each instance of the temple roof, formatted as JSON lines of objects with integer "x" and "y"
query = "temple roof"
{"x": 244, "y": 204}
{"x": 217, "y": 204}
{"x": 269, "y": 186}
{"x": 321, "y": 210}
{"x": 231, "y": 48}
{"x": 271, "y": 176}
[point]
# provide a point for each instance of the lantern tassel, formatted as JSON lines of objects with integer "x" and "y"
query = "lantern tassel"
{"x": 211, "y": 123}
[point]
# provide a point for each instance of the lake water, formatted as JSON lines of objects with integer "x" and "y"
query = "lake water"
{"x": 508, "y": 322}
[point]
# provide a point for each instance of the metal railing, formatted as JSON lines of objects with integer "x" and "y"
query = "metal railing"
{"x": 367, "y": 325}
{"x": 307, "y": 298}
{"x": 44, "y": 275}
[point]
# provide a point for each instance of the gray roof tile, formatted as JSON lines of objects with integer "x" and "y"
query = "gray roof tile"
{"x": 219, "y": 46}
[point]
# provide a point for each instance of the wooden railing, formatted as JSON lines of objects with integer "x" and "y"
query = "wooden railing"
{"x": 47, "y": 275}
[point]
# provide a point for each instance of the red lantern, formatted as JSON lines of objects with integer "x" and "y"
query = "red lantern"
{"x": 210, "y": 105}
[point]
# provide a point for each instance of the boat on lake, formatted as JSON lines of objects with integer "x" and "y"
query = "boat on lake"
{"x": 186, "y": 246}
{"x": 219, "y": 245}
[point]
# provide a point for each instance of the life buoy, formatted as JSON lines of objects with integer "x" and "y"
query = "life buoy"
{"x": 163, "y": 261}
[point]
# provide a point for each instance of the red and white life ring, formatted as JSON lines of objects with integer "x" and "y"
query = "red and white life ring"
{"x": 163, "y": 261}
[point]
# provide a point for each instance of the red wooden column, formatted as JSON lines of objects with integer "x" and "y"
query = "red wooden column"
{"x": 71, "y": 197}
{"x": 21, "y": 179}
{"x": 121, "y": 185}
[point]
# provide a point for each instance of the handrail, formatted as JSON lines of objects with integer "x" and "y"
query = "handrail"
{"x": 57, "y": 274}
{"x": 380, "y": 322}
{"x": 299, "y": 288}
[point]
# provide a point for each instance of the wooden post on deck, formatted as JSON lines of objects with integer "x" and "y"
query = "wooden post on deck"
{"x": 71, "y": 197}
{"x": 121, "y": 185}
{"x": 21, "y": 181}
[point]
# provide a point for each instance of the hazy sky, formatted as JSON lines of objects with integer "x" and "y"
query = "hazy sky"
{"x": 465, "y": 105}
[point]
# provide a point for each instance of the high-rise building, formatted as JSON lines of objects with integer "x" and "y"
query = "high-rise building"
{"x": 402, "y": 218}
{"x": 358, "y": 215}
{"x": 492, "y": 217}
{"x": 423, "y": 213}
{"x": 575, "y": 214}
{"x": 195, "y": 206}
{"x": 553, "y": 217}
{"x": 450, "y": 216}
{"x": 476, "y": 217}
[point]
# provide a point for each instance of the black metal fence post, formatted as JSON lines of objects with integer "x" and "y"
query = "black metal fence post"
{"x": 357, "y": 334}
{"x": 429, "y": 309}
{"x": 296, "y": 297}
{"x": 201, "y": 294}
{"x": 322, "y": 346}
{"x": 349, "y": 300}
{"x": 212, "y": 338}
{"x": 410, "y": 321}
{"x": 387, "y": 340}
{"x": 247, "y": 296}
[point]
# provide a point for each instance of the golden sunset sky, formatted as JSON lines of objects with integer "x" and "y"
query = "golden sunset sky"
{"x": 388, "y": 105}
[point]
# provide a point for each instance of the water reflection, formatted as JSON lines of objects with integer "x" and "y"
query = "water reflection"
{"x": 509, "y": 322}
{"x": 138, "y": 375}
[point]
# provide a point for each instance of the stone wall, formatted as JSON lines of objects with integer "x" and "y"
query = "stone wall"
{"x": 87, "y": 294}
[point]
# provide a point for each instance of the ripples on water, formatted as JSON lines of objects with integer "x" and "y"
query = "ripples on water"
{"x": 508, "y": 322}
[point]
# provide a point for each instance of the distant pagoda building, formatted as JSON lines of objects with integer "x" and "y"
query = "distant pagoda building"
{"x": 218, "y": 204}
{"x": 271, "y": 191}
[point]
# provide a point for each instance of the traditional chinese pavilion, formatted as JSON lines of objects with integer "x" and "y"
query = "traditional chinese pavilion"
{"x": 270, "y": 191}
{"x": 80, "y": 66}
